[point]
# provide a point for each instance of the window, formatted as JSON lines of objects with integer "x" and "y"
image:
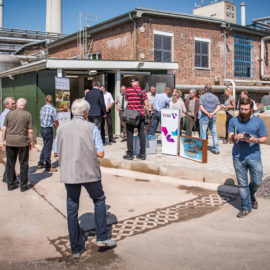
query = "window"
{"x": 95, "y": 55}
{"x": 162, "y": 47}
{"x": 243, "y": 56}
{"x": 201, "y": 53}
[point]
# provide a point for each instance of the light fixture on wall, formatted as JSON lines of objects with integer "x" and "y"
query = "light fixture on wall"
{"x": 141, "y": 64}
{"x": 11, "y": 77}
{"x": 92, "y": 72}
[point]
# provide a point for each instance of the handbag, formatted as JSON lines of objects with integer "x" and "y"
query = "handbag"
{"x": 132, "y": 117}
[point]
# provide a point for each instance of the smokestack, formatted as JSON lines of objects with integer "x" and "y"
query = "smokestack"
{"x": 243, "y": 13}
{"x": 1, "y": 13}
{"x": 54, "y": 16}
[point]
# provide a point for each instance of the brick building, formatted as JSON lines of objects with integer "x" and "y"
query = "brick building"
{"x": 206, "y": 49}
{"x": 162, "y": 48}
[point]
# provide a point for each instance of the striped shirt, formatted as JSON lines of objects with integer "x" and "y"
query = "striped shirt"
{"x": 48, "y": 115}
{"x": 134, "y": 100}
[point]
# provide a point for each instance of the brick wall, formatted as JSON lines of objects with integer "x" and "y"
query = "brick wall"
{"x": 117, "y": 44}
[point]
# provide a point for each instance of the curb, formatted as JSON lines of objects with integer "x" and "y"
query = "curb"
{"x": 205, "y": 176}
{"x": 171, "y": 180}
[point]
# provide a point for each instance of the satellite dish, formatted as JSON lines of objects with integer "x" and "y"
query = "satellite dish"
{"x": 265, "y": 100}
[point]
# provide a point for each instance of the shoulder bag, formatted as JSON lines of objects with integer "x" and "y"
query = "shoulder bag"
{"x": 132, "y": 117}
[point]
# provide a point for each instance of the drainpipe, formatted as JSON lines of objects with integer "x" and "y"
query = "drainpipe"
{"x": 225, "y": 52}
{"x": 134, "y": 23}
{"x": 263, "y": 77}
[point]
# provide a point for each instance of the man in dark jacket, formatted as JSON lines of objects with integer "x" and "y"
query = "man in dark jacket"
{"x": 97, "y": 105}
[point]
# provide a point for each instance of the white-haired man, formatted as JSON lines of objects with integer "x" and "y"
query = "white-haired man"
{"x": 9, "y": 103}
{"x": 17, "y": 135}
{"x": 81, "y": 168}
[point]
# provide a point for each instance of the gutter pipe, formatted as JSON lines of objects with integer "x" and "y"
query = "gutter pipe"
{"x": 221, "y": 88}
{"x": 135, "y": 36}
{"x": 263, "y": 77}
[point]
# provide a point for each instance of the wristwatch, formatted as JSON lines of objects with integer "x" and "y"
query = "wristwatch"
{"x": 257, "y": 140}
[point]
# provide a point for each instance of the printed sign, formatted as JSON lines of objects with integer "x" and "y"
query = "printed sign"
{"x": 170, "y": 124}
{"x": 62, "y": 83}
{"x": 63, "y": 117}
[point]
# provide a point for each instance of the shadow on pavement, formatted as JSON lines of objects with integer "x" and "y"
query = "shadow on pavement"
{"x": 235, "y": 199}
{"x": 88, "y": 226}
{"x": 35, "y": 178}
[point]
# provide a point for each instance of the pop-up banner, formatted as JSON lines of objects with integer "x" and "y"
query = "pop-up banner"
{"x": 170, "y": 127}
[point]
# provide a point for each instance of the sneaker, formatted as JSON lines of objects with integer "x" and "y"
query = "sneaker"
{"x": 112, "y": 140}
{"x": 124, "y": 140}
{"x": 42, "y": 166}
{"x": 78, "y": 255}
{"x": 254, "y": 204}
{"x": 128, "y": 157}
{"x": 142, "y": 157}
{"x": 216, "y": 153}
{"x": 243, "y": 213}
{"x": 51, "y": 170}
{"x": 106, "y": 243}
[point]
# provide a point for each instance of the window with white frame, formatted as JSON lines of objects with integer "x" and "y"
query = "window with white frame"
{"x": 163, "y": 46}
{"x": 202, "y": 53}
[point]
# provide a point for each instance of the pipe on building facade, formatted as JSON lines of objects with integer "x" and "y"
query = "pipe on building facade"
{"x": 222, "y": 87}
{"x": 263, "y": 77}
{"x": 233, "y": 87}
{"x": 135, "y": 36}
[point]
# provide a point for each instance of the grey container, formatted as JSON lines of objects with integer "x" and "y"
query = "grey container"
{"x": 150, "y": 142}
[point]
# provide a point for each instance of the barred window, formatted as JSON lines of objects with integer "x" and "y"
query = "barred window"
{"x": 243, "y": 56}
{"x": 162, "y": 48}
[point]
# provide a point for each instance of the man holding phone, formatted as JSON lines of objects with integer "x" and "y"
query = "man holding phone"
{"x": 247, "y": 132}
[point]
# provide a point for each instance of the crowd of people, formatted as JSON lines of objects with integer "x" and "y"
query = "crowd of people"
{"x": 80, "y": 142}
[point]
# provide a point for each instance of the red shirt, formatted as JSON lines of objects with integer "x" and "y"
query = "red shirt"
{"x": 134, "y": 100}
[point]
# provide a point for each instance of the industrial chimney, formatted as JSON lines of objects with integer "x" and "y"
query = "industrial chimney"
{"x": 243, "y": 13}
{"x": 1, "y": 13}
{"x": 54, "y": 16}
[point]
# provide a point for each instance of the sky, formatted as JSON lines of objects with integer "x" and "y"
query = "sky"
{"x": 31, "y": 14}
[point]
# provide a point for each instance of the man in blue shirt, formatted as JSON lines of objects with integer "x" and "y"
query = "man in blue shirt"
{"x": 48, "y": 119}
{"x": 246, "y": 132}
{"x": 209, "y": 106}
{"x": 9, "y": 103}
{"x": 160, "y": 101}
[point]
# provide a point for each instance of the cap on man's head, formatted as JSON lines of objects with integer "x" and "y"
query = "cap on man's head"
{"x": 135, "y": 79}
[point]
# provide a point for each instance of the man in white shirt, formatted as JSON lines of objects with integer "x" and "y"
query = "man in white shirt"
{"x": 109, "y": 102}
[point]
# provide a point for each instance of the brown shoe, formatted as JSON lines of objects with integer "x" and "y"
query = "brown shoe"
{"x": 51, "y": 170}
{"x": 42, "y": 166}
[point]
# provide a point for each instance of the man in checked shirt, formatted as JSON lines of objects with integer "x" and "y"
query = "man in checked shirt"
{"x": 48, "y": 119}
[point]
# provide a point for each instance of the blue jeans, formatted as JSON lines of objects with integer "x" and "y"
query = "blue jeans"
{"x": 247, "y": 192}
{"x": 45, "y": 156}
{"x": 96, "y": 193}
{"x": 157, "y": 119}
{"x": 206, "y": 122}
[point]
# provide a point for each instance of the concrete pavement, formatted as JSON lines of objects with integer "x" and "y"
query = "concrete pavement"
{"x": 219, "y": 168}
{"x": 160, "y": 224}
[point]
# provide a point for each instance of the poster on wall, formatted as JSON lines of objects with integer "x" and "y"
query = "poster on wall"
{"x": 170, "y": 124}
{"x": 193, "y": 148}
{"x": 62, "y": 99}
